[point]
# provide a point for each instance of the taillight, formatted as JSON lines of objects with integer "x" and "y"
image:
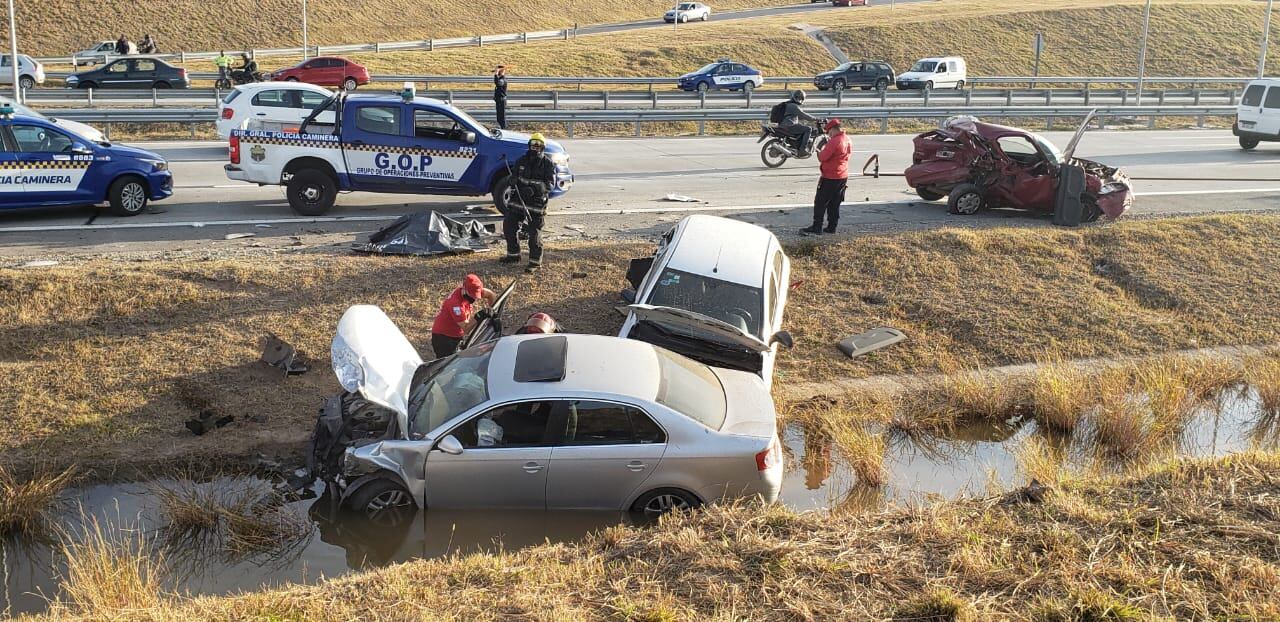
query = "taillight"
{"x": 182, "y": 72}
{"x": 227, "y": 113}
{"x": 770, "y": 457}
{"x": 235, "y": 149}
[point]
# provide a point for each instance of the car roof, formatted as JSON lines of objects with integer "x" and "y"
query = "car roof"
{"x": 593, "y": 364}
{"x": 722, "y": 248}
{"x": 301, "y": 86}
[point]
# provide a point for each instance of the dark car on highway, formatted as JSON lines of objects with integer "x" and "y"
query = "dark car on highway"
{"x": 132, "y": 73}
{"x": 867, "y": 74}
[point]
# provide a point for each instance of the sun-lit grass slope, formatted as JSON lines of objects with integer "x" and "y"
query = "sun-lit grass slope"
{"x": 58, "y": 27}
{"x": 1186, "y": 541}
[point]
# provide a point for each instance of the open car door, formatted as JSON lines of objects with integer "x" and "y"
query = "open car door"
{"x": 1070, "y": 152}
{"x": 489, "y": 328}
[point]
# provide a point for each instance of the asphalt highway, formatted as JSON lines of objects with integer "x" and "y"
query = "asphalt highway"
{"x": 622, "y": 188}
{"x": 734, "y": 15}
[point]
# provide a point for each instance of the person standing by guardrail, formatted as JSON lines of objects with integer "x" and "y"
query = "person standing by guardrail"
{"x": 500, "y": 94}
{"x": 148, "y": 45}
{"x": 834, "y": 159}
{"x": 223, "y": 62}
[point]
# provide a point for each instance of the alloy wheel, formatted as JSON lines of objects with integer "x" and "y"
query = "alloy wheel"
{"x": 386, "y": 501}
{"x": 133, "y": 197}
{"x": 664, "y": 503}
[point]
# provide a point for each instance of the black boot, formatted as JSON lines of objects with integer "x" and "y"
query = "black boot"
{"x": 814, "y": 230}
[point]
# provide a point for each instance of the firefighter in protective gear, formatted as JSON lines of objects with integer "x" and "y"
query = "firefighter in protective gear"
{"x": 533, "y": 176}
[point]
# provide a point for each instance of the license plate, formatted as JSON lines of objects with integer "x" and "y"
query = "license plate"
{"x": 1248, "y": 125}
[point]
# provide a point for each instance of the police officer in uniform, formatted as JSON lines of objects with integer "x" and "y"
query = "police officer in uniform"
{"x": 500, "y": 94}
{"x": 534, "y": 174}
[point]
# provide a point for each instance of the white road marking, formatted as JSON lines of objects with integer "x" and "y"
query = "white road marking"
{"x": 1172, "y": 193}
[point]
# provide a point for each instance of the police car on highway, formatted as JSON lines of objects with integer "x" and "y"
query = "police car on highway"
{"x": 722, "y": 74}
{"x": 44, "y": 165}
{"x": 384, "y": 143}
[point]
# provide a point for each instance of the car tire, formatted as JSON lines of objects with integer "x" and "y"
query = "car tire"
{"x": 311, "y": 192}
{"x": 882, "y": 85}
{"x": 88, "y": 85}
{"x": 663, "y": 500}
{"x": 379, "y": 496}
{"x": 127, "y": 196}
{"x": 1247, "y": 143}
{"x": 838, "y": 84}
{"x": 1091, "y": 211}
{"x": 27, "y": 83}
{"x": 160, "y": 85}
{"x": 503, "y": 194}
{"x": 929, "y": 194}
{"x": 703, "y": 86}
{"x": 960, "y": 85}
{"x": 966, "y": 200}
{"x": 773, "y": 154}
{"x": 706, "y": 16}
{"x": 748, "y": 86}
{"x": 350, "y": 84}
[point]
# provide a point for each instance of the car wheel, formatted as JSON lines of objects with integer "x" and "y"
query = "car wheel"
{"x": 311, "y": 192}
{"x": 27, "y": 82}
{"x": 504, "y": 194}
{"x": 882, "y": 85}
{"x": 160, "y": 85}
{"x": 706, "y": 16}
{"x": 773, "y": 154}
{"x": 349, "y": 84}
{"x": 960, "y": 85}
{"x": 380, "y": 497}
{"x": 703, "y": 86}
{"x": 664, "y": 500}
{"x": 966, "y": 200}
{"x": 748, "y": 86}
{"x": 1091, "y": 211}
{"x": 1247, "y": 143}
{"x": 929, "y": 194}
{"x": 127, "y": 196}
{"x": 928, "y": 86}
{"x": 838, "y": 84}
{"x": 88, "y": 85}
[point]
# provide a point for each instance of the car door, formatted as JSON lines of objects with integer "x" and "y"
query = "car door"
{"x": 373, "y": 139}
{"x": 11, "y": 186}
{"x": 145, "y": 73}
{"x": 1249, "y": 112}
{"x": 1028, "y": 182}
{"x": 505, "y": 460}
{"x": 51, "y": 165}
{"x": 305, "y": 102}
{"x": 606, "y": 452}
{"x": 724, "y": 76}
{"x": 1269, "y": 119}
{"x": 331, "y": 70}
{"x": 116, "y": 75}
{"x": 274, "y": 106}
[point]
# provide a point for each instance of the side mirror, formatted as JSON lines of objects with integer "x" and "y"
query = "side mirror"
{"x": 469, "y": 138}
{"x": 80, "y": 149}
{"x": 450, "y": 445}
{"x": 783, "y": 337}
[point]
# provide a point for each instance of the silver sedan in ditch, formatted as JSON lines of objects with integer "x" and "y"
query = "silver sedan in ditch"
{"x": 551, "y": 421}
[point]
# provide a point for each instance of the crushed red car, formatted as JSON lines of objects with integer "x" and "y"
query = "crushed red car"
{"x": 976, "y": 165}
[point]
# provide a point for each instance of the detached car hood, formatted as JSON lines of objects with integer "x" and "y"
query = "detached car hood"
{"x": 711, "y": 327}
{"x": 372, "y": 357}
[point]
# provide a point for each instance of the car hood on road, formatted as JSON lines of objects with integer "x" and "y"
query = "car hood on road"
{"x": 702, "y": 324}
{"x": 373, "y": 358}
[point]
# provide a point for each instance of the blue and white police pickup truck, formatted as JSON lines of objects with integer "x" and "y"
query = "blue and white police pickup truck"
{"x": 389, "y": 144}
{"x": 45, "y": 165}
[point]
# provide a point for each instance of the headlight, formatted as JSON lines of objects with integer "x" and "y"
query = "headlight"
{"x": 560, "y": 158}
{"x": 71, "y": 79}
{"x": 346, "y": 365}
{"x": 157, "y": 165}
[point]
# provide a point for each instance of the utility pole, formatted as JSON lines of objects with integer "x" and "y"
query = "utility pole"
{"x": 13, "y": 54}
{"x": 1142, "y": 54}
{"x": 1266, "y": 35}
{"x": 304, "y": 29}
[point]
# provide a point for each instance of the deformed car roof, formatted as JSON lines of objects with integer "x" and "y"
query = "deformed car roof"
{"x": 723, "y": 248}
{"x": 593, "y": 364}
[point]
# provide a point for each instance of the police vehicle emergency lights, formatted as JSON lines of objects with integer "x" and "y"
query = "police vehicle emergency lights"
{"x": 43, "y": 165}
{"x": 388, "y": 144}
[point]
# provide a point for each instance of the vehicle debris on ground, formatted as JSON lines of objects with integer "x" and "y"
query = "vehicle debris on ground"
{"x": 277, "y": 353}
{"x": 869, "y": 341}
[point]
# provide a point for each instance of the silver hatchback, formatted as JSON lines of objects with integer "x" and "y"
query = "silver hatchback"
{"x": 543, "y": 421}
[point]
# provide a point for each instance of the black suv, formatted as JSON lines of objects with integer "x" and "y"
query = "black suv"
{"x": 867, "y": 74}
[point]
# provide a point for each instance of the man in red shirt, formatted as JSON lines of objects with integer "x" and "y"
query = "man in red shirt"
{"x": 457, "y": 315}
{"x": 834, "y": 159}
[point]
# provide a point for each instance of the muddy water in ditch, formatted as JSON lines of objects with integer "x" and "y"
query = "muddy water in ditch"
{"x": 963, "y": 461}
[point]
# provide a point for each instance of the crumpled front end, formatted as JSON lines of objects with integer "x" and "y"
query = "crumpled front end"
{"x": 1108, "y": 186}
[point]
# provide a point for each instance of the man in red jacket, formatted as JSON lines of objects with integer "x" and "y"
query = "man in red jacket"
{"x": 457, "y": 315}
{"x": 834, "y": 159}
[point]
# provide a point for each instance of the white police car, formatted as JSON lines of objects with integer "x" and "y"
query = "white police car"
{"x": 722, "y": 74}
{"x": 44, "y": 165}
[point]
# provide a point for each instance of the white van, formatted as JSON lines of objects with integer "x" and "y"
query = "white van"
{"x": 1258, "y": 115}
{"x": 935, "y": 73}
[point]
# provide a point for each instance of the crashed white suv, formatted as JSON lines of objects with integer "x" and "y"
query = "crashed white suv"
{"x": 714, "y": 291}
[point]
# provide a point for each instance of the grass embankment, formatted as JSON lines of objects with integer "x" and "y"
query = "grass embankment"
{"x": 105, "y": 360}
{"x": 1187, "y": 540}
{"x": 195, "y": 26}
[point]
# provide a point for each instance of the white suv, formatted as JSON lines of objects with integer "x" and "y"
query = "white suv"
{"x": 30, "y": 72}
{"x": 1258, "y": 114}
{"x": 273, "y": 106}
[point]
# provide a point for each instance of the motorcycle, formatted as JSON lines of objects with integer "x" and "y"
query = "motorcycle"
{"x": 238, "y": 77}
{"x": 782, "y": 146}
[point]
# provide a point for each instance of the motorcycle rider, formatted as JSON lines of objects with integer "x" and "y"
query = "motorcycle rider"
{"x": 796, "y": 122}
{"x": 248, "y": 72}
{"x": 148, "y": 45}
{"x": 534, "y": 175}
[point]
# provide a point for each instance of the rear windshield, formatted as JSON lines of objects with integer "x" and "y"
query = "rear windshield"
{"x": 231, "y": 96}
{"x": 1273, "y": 98}
{"x": 691, "y": 389}
{"x": 737, "y": 305}
{"x": 1253, "y": 95}
{"x": 924, "y": 65}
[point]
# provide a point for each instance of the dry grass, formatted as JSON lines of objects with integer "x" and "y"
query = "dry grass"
{"x": 27, "y": 502}
{"x": 1059, "y": 396}
{"x": 1263, "y": 374}
{"x": 1191, "y": 540}
{"x": 238, "y": 517}
{"x": 111, "y": 572}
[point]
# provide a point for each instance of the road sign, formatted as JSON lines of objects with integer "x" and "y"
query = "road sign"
{"x": 1038, "y": 46}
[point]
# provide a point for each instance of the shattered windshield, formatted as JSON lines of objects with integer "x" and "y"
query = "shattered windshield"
{"x": 926, "y": 66}
{"x": 737, "y": 305}
{"x": 460, "y": 384}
